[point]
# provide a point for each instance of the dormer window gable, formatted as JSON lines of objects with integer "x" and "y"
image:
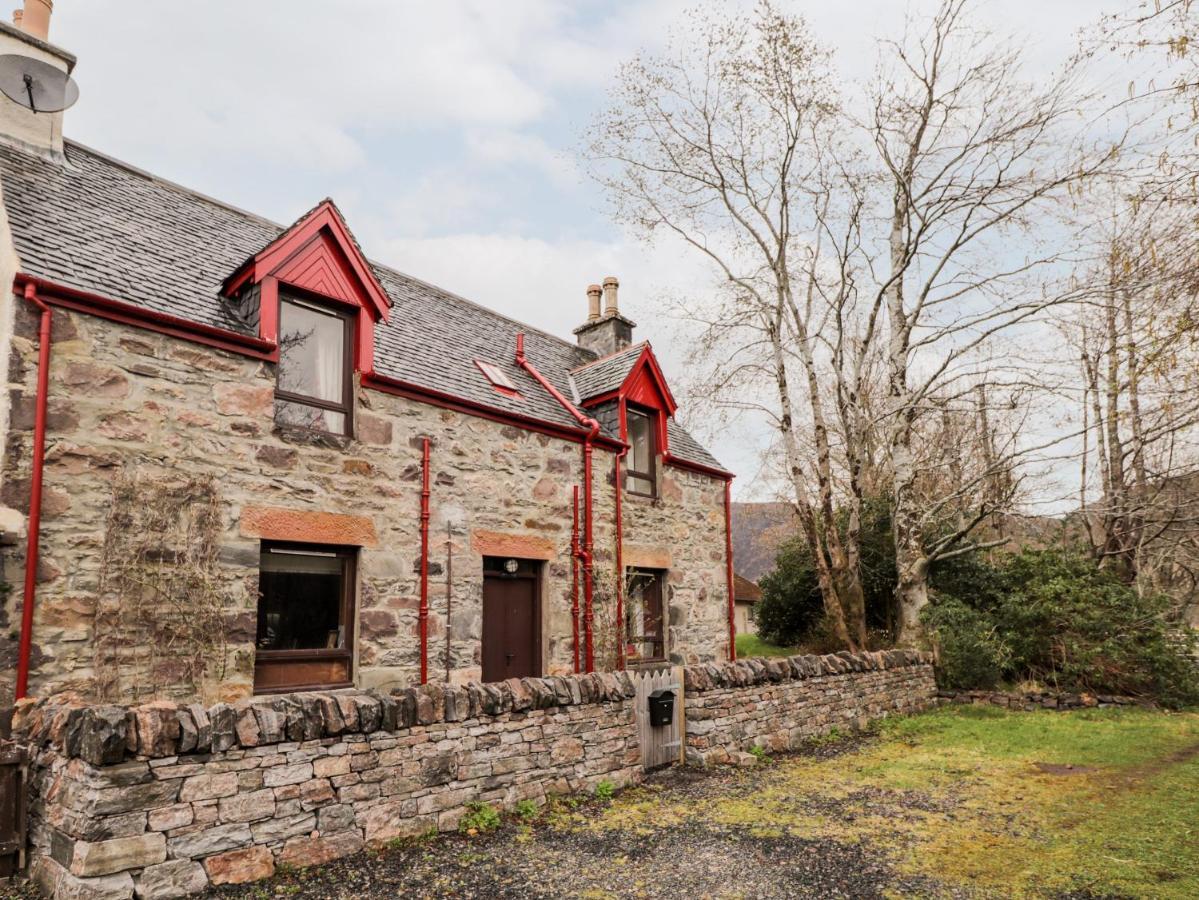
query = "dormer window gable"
{"x": 317, "y": 259}
{"x": 645, "y": 390}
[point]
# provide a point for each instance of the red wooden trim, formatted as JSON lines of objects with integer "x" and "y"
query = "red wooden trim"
{"x": 160, "y": 323}
{"x": 279, "y": 252}
{"x": 648, "y": 360}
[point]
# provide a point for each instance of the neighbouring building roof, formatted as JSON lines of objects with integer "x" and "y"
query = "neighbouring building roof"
{"x": 745, "y": 591}
{"x": 101, "y": 226}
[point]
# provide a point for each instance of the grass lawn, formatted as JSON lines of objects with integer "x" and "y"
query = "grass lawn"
{"x": 751, "y": 645}
{"x": 975, "y": 799}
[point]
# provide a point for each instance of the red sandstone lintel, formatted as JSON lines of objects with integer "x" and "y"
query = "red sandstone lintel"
{"x": 307, "y": 526}
{"x": 517, "y": 545}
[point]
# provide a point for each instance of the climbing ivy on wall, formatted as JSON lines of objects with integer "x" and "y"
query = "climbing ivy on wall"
{"x": 160, "y": 621}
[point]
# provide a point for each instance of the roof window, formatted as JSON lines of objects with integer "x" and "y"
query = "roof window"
{"x": 498, "y": 378}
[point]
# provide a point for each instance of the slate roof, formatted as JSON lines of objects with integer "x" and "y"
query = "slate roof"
{"x": 102, "y": 226}
{"x": 606, "y": 373}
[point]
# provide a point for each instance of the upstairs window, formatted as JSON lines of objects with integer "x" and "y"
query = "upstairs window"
{"x": 315, "y": 386}
{"x": 641, "y": 459}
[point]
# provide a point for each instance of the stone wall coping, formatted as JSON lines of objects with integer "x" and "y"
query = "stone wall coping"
{"x": 107, "y": 734}
{"x": 760, "y": 670}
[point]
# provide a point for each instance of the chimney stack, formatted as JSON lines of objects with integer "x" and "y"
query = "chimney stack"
{"x": 34, "y": 19}
{"x": 610, "y": 286}
{"x": 610, "y": 332}
{"x": 40, "y": 132}
{"x": 593, "y": 302}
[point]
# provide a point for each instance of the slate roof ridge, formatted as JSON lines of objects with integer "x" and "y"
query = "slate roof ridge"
{"x": 639, "y": 346}
{"x": 174, "y": 185}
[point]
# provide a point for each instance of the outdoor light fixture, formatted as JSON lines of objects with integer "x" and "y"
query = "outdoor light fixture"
{"x": 510, "y": 566}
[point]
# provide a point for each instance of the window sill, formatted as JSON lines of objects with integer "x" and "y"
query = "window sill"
{"x": 308, "y": 437}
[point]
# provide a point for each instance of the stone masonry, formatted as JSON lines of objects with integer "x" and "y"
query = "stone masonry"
{"x": 167, "y": 799}
{"x": 122, "y": 398}
{"x": 778, "y": 704}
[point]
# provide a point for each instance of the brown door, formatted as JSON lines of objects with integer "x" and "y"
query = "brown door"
{"x": 510, "y": 627}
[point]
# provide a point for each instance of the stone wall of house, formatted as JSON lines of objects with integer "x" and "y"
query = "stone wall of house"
{"x": 778, "y": 704}
{"x": 166, "y": 799}
{"x": 682, "y": 531}
{"x": 133, "y": 403}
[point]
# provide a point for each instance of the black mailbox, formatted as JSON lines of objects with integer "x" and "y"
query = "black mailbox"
{"x": 661, "y": 707}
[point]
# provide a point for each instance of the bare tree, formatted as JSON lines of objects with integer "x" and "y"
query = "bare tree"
{"x": 975, "y": 157}
{"x": 728, "y": 141}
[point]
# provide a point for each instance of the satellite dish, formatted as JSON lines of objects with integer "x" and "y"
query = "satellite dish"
{"x": 36, "y": 85}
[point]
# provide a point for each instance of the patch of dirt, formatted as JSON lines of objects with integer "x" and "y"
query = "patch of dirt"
{"x": 1066, "y": 769}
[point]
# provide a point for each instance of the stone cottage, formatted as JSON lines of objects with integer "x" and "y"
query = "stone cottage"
{"x": 240, "y": 457}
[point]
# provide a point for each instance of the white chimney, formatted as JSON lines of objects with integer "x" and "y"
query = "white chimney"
{"x": 37, "y": 131}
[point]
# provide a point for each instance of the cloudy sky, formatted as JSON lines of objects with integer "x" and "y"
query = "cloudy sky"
{"x": 446, "y": 131}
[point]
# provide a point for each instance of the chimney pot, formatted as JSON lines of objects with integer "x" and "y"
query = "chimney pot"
{"x": 593, "y": 302}
{"x": 35, "y": 18}
{"x": 610, "y": 286}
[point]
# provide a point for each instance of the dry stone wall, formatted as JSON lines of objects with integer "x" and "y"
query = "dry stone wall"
{"x": 167, "y": 799}
{"x": 124, "y": 399}
{"x": 778, "y": 704}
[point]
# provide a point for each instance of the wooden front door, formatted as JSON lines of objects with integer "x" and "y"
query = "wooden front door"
{"x": 510, "y": 626}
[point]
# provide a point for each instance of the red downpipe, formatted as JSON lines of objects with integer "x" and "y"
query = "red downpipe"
{"x": 424, "y": 563}
{"x": 619, "y": 458}
{"x": 728, "y": 555}
{"x": 593, "y": 428}
{"x": 35, "y": 490}
{"x": 574, "y": 566}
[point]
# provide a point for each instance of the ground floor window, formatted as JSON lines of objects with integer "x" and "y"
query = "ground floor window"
{"x": 305, "y": 617}
{"x": 645, "y": 634}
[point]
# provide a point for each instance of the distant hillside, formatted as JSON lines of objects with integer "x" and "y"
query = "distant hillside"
{"x": 758, "y": 530}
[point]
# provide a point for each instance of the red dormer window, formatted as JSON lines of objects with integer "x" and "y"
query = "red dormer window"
{"x": 316, "y": 298}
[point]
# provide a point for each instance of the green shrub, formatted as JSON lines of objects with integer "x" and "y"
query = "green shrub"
{"x": 971, "y": 654}
{"x": 605, "y": 790}
{"x": 1078, "y": 627}
{"x": 526, "y": 810}
{"x": 480, "y": 817}
{"x": 1054, "y": 617}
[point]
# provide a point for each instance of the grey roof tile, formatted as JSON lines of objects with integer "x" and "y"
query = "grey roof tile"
{"x": 101, "y": 226}
{"x": 607, "y": 373}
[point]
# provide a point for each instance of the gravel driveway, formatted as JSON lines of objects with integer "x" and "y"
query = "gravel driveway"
{"x": 621, "y": 848}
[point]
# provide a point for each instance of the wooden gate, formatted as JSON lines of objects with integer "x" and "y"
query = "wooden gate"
{"x": 12, "y": 808}
{"x": 663, "y": 744}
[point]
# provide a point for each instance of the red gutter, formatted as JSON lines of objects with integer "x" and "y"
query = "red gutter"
{"x": 593, "y": 428}
{"x": 35, "y": 490}
{"x": 77, "y": 300}
{"x": 671, "y": 460}
{"x": 574, "y": 566}
{"x": 388, "y": 385}
{"x": 728, "y": 556}
{"x": 162, "y": 323}
{"x": 423, "y": 615}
